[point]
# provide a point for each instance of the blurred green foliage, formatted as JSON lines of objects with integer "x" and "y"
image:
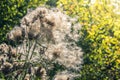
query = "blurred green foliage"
{"x": 11, "y": 11}
{"x": 52, "y": 3}
{"x": 100, "y": 37}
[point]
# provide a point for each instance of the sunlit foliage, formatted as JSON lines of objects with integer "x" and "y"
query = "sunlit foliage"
{"x": 100, "y": 37}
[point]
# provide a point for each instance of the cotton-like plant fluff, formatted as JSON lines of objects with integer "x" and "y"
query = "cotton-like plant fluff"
{"x": 48, "y": 46}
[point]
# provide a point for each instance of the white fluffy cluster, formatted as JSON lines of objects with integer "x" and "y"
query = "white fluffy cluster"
{"x": 52, "y": 36}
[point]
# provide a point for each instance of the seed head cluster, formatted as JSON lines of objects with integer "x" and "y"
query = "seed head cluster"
{"x": 47, "y": 46}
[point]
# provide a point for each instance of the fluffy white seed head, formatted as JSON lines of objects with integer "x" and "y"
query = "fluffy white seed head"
{"x": 59, "y": 33}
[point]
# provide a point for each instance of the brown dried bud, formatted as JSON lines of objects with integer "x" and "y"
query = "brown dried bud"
{"x": 42, "y": 11}
{"x": 18, "y": 64}
{"x": 13, "y": 52}
{"x": 16, "y": 35}
{"x": 41, "y": 72}
{"x": 56, "y": 54}
{"x": 7, "y": 66}
{"x": 3, "y": 58}
{"x": 27, "y": 77}
{"x": 34, "y": 29}
{"x": 4, "y": 48}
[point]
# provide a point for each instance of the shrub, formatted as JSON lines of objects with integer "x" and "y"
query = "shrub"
{"x": 100, "y": 37}
{"x": 12, "y": 11}
{"x": 52, "y": 3}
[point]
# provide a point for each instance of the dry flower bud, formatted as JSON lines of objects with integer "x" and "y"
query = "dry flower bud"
{"x": 7, "y": 66}
{"x": 17, "y": 34}
{"x": 4, "y": 48}
{"x": 13, "y": 52}
{"x": 34, "y": 29}
{"x": 18, "y": 64}
{"x": 27, "y": 77}
{"x": 41, "y": 72}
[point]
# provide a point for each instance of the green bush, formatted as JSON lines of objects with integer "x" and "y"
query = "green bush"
{"x": 11, "y": 11}
{"x": 52, "y": 3}
{"x": 100, "y": 37}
